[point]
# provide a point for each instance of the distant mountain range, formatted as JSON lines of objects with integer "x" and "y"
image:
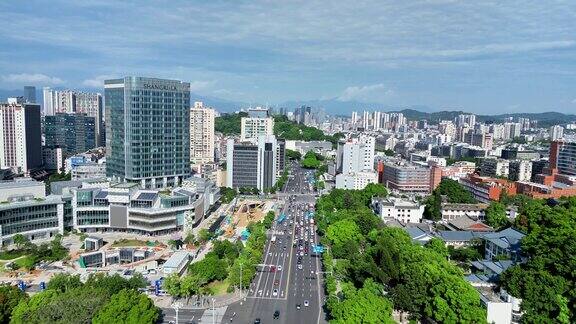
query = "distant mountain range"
{"x": 334, "y": 106}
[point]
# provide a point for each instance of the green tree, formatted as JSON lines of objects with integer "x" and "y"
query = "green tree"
{"x": 189, "y": 238}
{"x": 20, "y": 240}
{"x": 496, "y": 215}
{"x": 227, "y": 194}
{"x": 171, "y": 284}
{"x": 310, "y": 161}
{"x": 63, "y": 282}
{"x": 229, "y": 124}
{"x": 365, "y": 305}
{"x": 128, "y": 306}
{"x": 293, "y": 155}
{"x": 10, "y": 296}
{"x": 438, "y": 246}
{"x": 204, "y": 235}
{"x": 210, "y": 268}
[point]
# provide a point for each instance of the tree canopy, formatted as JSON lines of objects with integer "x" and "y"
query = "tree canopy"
{"x": 496, "y": 215}
{"x": 546, "y": 282}
{"x": 229, "y": 124}
{"x": 452, "y": 191}
{"x": 127, "y": 306}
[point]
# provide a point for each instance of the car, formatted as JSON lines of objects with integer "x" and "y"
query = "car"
{"x": 299, "y": 267}
{"x": 257, "y": 321}
{"x": 279, "y": 268}
{"x": 275, "y": 292}
{"x": 297, "y": 306}
{"x": 276, "y": 314}
{"x": 306, "y": 303}
{"x": 276, "y": 282}
{"x": 272, "y": 268}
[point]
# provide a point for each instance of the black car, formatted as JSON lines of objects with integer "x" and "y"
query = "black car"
{"x": 277, "y": 314}
{"x": 257, "y": 321}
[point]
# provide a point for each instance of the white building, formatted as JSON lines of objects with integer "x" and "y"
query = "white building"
{"x": 20, "y": 138}
{"x": 355, "y": 163}
{"x": 469, "y": 120}
{"x": 490, "y": 167}
{"x": 402, "y": 210}
{"x": 88, "y": 170}
{"x": 176, "y": 263}
{"x": 520, "y": 170}
{"x": 556, "y": 132}
{"x": 201, "y": 134}
{"x": 355, "y": 180}
{"x": 256, "y": 124}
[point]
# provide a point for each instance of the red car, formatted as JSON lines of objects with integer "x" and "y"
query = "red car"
{"x": 272, "y": 268}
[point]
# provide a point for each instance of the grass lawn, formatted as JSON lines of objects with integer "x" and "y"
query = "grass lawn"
{"x": 125, "y": 243}
{"x": 11, "y": 254}
{"x": 25, "y": 262}
{"x": 219, "y": 287}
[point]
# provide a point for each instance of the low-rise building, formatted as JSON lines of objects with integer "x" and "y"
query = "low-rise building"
{"x": 356, "y": 180}
{"x": 505, "y": 243}
{"x": 177, "y": 263}
{"x": 402, "y": 210}
{"x": 406, "y": 177}
{"x": 486, "y": 189}
{"x": 26, "y": 210}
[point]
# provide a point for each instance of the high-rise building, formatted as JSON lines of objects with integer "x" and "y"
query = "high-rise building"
{"x": 469, "y": 120}
{"x": 74, "y": 133}
{"x": 90, "y": 103}
{"x": 556, "y": 132}
{"x": 20, "y": 136}
{"x": 511, "y": 131}
{"x": 201, "y": 134}
{"x": 254, "y": 165}
{"x": 48, "y": 99}
{"x": 563, "y": 157}
{"x": 377, "y": 120}
{"x": 147, "y": 130}
{"x": 257, "y": 123}
{"x": 355, "y": 163}
{"x": 365, "y": 120}
{"x": 30, "y": 94}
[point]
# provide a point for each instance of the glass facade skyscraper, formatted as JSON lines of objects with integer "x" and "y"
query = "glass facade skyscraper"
{"x": 147, "y": 130}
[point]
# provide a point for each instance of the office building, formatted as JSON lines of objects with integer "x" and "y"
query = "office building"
{"x": 520, "y": 170}
{"x": 53, "y": 158}
{"x": 356, "y": 180}
{"x": 20, "y": 137}
{"x": 30, "y": 94}
{"x": 26, "y": 210}
{"x": 406, "y": 177}
{"x": 201, "y": 134}
{"x": 556, "y": 132}
{"x": 127, "y": 208}
{"x": 74, "y": 133}
{"x": 257, "y": 123}
{"x": 563, "y": 157}
{"x": 491, "y": 167}
{"x": 251, "y": 165}
{"x": 90, "y": 104}
{"x": 147, "y": 131}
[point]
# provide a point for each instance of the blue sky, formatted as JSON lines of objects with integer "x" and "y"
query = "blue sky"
{"x": 479, "y": 56}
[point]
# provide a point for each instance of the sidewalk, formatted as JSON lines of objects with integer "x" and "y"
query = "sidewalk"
{"x": 199, "y": 302}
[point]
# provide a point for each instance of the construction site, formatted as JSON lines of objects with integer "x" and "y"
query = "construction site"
{"x": 242, "y": 212}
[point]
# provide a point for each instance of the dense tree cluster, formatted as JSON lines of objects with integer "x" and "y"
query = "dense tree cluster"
{"x": 290, "y": 130}
{"x": 311, "y": 161}
{"x": 546, "y": 282}
{"x": 53, "y": 251}
{"x": 102, "y": 299}
{"x": 227, "y": 194}
{"x": 293, "y": 155}
{"x": 223, "y": 263}
{"x": 370, "y": 267}
{"x": 496, "y": 215}
{"x": 229, "y": 124}
{"x": 452, "y": 191}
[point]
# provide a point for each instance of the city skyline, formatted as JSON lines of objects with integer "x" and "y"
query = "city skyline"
{"x": 441, "y": 54}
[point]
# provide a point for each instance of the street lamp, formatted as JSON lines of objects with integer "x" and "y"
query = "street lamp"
{"x": 213, "y": 312}
{"x": 176, "y": 306}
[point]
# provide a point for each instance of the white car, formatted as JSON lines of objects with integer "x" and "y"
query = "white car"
{"x": 279, "y": 268}
{"x": 306, "y": 303}
{"x": 299, "y": 267}
{"x": 275, "y": 292}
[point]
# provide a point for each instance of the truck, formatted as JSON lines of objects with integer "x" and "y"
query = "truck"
{"x": 273, "y": 240}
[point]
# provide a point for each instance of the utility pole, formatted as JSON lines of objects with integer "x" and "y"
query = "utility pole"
{"x": 176, "y": 307}
{"x": 241, "y": 282}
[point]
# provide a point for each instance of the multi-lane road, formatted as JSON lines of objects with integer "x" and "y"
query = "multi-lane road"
{"x": 288, "y": 280}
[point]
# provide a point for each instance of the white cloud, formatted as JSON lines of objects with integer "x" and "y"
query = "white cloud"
{"x": 369, "y": 92}
{"x": 97, "y": 81}
{"x": 31, "y": 79}
{"x": 201, "y": 85}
